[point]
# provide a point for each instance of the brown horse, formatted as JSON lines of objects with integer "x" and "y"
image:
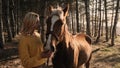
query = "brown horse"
{"x": 70, "y": 51}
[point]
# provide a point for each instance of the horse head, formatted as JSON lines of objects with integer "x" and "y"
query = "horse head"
{"x": 55, "y": 26}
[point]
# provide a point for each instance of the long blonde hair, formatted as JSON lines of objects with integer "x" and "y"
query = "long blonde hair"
{"x": 30, "y": 21}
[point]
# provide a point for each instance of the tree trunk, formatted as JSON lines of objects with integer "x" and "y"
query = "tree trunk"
{"x": 87, "y": 10}
{"x": 16, "y": 3}
{"x": 83, "y": 23}
{"x": 18, "y": 17}
{"x": 115, "y": 23}
{"x": 103, "y": 17}
{"x": 96, "y": 18}
{"x": 43, "y": 4}
{"x": 6, "y": 19}
{"x": 106, "y": 22}
{"x": 112, "y": 19}
{"x": 12, "y": 17}
{"x": 73, "y": 22}
{"x": 92, "y": 18}
{"x": 77, "y": 17}
{"x": 1, "y": 27}
{"x": 99, "y": 28}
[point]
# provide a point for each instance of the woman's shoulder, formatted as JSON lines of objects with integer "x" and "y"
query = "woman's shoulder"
{"x": 24, "y": 37}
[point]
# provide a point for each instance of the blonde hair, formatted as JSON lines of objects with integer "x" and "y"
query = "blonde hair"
{"x": 30, "y": 22}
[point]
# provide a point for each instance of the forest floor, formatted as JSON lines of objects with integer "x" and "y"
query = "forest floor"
{"x": 106, "y": 56}
{"x": 103, "y": 55}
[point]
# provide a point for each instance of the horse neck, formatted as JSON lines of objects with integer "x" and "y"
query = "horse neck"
{"x": 66, "y": 35}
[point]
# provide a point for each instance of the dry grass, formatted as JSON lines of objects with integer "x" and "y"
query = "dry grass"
{"x": 106, "y": 57}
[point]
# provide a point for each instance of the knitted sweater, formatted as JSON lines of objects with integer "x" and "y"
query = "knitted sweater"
{"x": 30, "y": 48}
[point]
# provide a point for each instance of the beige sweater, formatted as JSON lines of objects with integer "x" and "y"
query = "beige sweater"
{"x": 30, "y": 48}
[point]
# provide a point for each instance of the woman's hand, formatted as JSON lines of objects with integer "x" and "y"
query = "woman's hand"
{"x": 46, "y": 54}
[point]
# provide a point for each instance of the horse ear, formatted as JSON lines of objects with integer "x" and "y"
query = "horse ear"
{"x": 65, "y": 10}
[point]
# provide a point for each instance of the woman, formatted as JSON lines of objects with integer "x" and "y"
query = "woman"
{"x": 30, "y": 45}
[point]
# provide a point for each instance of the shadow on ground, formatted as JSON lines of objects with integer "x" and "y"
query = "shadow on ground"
{"x": 9, "y": 52}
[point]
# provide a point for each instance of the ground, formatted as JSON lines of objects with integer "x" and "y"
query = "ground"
{"x": 103, "y": 56}
{"x": 106, "y": 57}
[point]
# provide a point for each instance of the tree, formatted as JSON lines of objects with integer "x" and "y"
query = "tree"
{"x": 92, "y": 17}
{"x": 12, "y": 17}
{"x": 17, "y": 16}
{"x": 73, "y": 27}
{"x": 115, "y": 23}
{"x": 102, "y": 26}
{"x": 77, "y": 16}
{"x": 87, "y": 10}
{"x": 112, "y": 18}
{"x": 99, "y": 28}
{"x": 43, "y": 4}
{"x": 106, "y": 22}
{"x": 6, "y": 19}
{"x": 1, "y": 26}
{"x": 96, "y": 18}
